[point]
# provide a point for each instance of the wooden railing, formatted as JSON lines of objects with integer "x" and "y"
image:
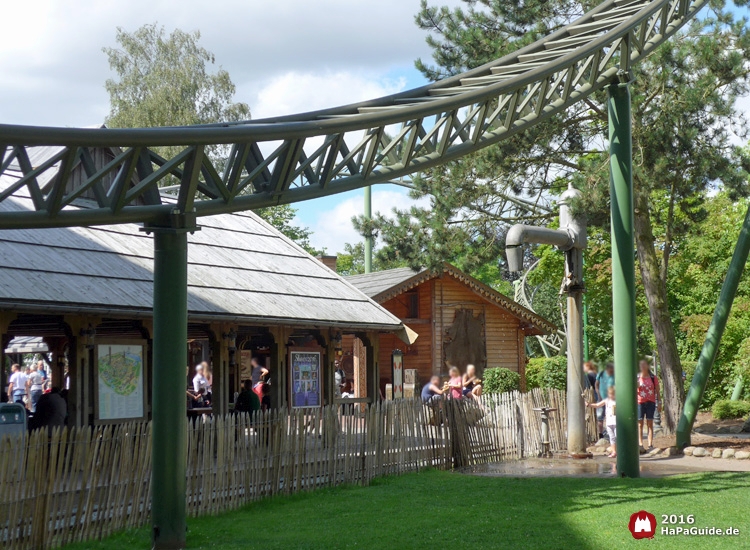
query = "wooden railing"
{"x": 86, "y": 483}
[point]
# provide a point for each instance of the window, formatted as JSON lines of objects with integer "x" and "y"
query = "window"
{"x": 412, "y": 305}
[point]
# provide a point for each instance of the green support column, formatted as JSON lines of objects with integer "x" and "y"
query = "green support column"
{"x": 623, "y": 277}
{"x": 713, "y": 336}
{"x": 169, "y": 453}
{"x": 368, "y": 239}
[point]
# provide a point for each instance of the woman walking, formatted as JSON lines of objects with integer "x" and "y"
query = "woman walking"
{"x": 648, "y": 397}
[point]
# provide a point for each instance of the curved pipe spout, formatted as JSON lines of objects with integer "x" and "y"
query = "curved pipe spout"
{"x": 520, "y": 234}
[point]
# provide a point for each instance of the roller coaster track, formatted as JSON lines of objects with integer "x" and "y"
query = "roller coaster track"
{"x": 294, "y": 158}
{"x": 554, "y": 341}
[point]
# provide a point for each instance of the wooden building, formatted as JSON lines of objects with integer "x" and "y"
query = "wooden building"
{"x": 252, "y": 291}
{"x": 459, "y": 320}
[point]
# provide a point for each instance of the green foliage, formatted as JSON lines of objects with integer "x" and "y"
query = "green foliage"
{"x": 352, "y": 260}
{"x": 697, "y": 271}
{"x": 555, "y": 373}
{"x": 535, "y": 372}
{"x": 167, "y": 81}
{"x": 724, "y": 409}
{"x": 684, "y": 102}
{"x": 547, "y": 372}
{"x": 500, "y": 380}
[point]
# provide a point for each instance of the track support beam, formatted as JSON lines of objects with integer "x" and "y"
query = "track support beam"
{"x": 169, "y": 422}
{"x": 368, "y": 237}
{"x": 623, "y": 275}
{"x": 713, "y": 336}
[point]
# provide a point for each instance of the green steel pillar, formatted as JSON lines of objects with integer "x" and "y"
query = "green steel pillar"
{"x": 713, "y": 336}
{"x": 368, "y": 238}
{"x": 169, "y": 453}
{"x": 623, "y": 276}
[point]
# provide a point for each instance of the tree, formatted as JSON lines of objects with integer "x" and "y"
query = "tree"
{"x": 684, "y": 113}
{"x": 167, "y": 81}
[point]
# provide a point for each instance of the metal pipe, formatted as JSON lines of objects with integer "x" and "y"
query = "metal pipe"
{"x": 368, "y": 238}
{"x": 520, "y": 234}
{"x": 169, "y": 435}
{"x": 713, "y": 336}
{"x": 623, "y": 277}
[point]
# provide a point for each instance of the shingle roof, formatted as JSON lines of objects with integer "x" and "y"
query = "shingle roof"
{"x": 240, "y": 268}
{"x": 381, "y": 286}
{"x": 373, "y": 284}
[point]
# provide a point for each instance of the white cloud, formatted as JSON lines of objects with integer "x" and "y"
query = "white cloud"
{"x": 333, "y": 227}
{"x": 296, "y": 92}
{"x": 54, "y": 69}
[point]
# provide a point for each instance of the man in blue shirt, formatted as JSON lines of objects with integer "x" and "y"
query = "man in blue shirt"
{"x": 604, "y": 380}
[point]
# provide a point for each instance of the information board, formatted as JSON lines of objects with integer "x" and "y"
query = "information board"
{"x": 120, "y": 381}
{"x": 305, "y": 378}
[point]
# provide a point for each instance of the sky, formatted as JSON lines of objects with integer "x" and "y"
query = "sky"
{"x": 284, "y": 56}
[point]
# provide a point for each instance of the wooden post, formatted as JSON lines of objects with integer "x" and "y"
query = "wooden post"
{"x": 372, "y": 346}
{"x": 80, "y": 394}
{"x": 522, "y": 358}
{"x": 6, "y": 318}
{"x": 220, "y": 369}
{"x": 279, "y": 390}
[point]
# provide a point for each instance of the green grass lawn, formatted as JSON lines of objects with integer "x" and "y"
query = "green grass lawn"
{"x": 447, "y": 510}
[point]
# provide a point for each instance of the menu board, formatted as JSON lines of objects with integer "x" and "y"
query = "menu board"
{"x": 305, "y": 378}
{"x": 120, "y": 381}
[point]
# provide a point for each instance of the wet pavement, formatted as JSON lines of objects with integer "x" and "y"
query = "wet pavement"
{"x": 596, "y": 467}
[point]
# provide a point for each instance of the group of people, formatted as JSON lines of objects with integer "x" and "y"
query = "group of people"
{"x": 604, "y": 401}
{"x": 26, "y": 385}
{"x": 31, "y": 387}
{"x": 457, "y": 386}
{"x": 255, "y": 395}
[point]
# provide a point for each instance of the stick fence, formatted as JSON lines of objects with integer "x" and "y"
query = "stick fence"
{"x": 85, "y": 483}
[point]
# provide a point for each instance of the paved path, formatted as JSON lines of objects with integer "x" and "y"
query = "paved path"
{"x": 605, "y": 467}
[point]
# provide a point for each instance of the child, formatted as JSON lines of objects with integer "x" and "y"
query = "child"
{"x": 455, "y": 384}
{"x": 609, "y": 404}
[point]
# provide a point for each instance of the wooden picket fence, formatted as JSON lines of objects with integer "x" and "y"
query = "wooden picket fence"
{"x": 86, "y": 483}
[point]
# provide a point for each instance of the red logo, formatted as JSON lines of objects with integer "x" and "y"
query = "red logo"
{"x": 642, "y": 525}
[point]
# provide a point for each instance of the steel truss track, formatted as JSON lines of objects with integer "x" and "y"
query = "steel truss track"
{"x": 294, "y": 158}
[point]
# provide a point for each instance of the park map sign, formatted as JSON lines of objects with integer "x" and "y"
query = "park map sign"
{"x": 121, "y": 393}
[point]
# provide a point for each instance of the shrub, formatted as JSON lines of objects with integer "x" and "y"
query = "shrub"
{"x": 555, "y": 373}
{"x": 500, "y": 380}
{"x": 534, "y": 372}
{"x": 724, "y": 409}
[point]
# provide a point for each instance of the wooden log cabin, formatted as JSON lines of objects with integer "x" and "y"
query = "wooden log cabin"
{"x": 459, "y": 320}
{"x": 251, "y": 292}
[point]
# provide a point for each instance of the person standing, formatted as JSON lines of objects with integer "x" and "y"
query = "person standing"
{"x": 200, "y": 384}
{"x": 51, "y": 411}
{"x": 648, "y": 393}
{"x": 35, "y": 385}
{"x": 17, "y": 385}
{"x": 247, "y": 401}
{"x": 258, "y": 375}
{"x": 610, "y": 414}
{"x": 604, "y": 380}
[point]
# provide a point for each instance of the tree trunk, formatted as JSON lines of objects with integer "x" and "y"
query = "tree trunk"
{"x": 661, "y": 321}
